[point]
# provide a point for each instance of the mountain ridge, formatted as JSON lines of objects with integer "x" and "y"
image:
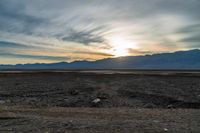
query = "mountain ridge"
{"x": 177, "y": 60}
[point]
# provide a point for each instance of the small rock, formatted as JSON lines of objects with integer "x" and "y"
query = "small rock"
{"x": 149, "y": 105}
{"x": 166, "y": 130}
{"x": 170, "y": 106}
{"x": 2, "y": 102}
{"x": 103, "y": 95}
{"x": 74, "y": 92}
{"x": 156, "y": 121}
{"x": 8, "y": 101}
{"x": 97, "y": 100}
{"x": 198, "y": 97}
{"x": 66, "y": 99}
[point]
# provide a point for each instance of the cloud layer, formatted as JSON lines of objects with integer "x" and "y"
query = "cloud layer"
{"x": 63, "y": 30}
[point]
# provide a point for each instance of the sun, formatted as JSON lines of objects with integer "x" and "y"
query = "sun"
{"x": 121, "y": 46}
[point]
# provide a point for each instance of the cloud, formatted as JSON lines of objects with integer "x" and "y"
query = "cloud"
{"x": 194, "y": 38}
{"x": 14, "y": 18}
{"x": 8, "y": 44}
{"x": 193, "y": 28}
{"x": 138, "y": 52}
{"x": 191, "y": 35}
{"x": 106, "y": 55}
{"x": 85, "y": 37}
{"x": 38, "y": 57}
{"x": 64, "y": 26}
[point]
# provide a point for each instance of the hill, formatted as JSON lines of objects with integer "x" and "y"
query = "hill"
{"x": 177, "y": 60}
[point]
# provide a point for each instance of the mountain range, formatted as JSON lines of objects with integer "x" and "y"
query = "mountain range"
{"x": 177, "y": 60}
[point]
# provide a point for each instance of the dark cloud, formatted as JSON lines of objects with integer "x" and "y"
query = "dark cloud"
{"x": 4, "y": 44}
{"x": 192, "y": 32}
{"x": 14, "y": 18}
{"x": 193, "y": 38}
{"x": 95, "y": 53}
{"x": 38, "y": 57}
{"x": 138, "y": 52}
{"x": 188, "y": 8}
{"x": 84, "y": 37}
{"x": 9, "y": 45}
{"x": 189, "y": 29}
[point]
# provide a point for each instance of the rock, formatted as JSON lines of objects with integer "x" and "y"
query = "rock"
{"x": 66, "y": 99}
{"x": 156, "y": 121}
{"x": 69, "y": 125}
{"x": 149, "y": 105}
{"x": 97, "y": 100}
{"x": 29, "y": 100}
{"x": 170, "y": 106}
{"x": 74, "y": 92}
{"x": 2, "y": 102}
{"x": 103, "y": 95}
{"x": 198, "y": 97}
{"x": 166, "y": 130}
{"x": 8, "y": 101}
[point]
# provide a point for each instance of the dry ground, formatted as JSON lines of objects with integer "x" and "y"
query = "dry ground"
{"x": 136, "y": 102}
{"x": 95, "y": 120}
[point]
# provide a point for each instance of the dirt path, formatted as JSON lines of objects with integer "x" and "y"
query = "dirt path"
{"x": 94, "y": 120}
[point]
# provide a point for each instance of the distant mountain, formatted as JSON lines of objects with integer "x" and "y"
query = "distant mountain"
{"x": 177, "y": 60}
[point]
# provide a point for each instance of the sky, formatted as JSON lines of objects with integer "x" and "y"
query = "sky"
{"x": 46, "y": 31}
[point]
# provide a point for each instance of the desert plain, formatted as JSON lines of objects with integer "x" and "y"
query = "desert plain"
{"x": 96, "y": 101}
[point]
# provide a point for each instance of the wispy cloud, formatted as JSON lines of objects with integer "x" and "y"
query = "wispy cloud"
{"x": 5, "y": 44}
{"x": 38, "y": 57}
{"x": 74, "y": 30}
{"x": 85, "y": 37}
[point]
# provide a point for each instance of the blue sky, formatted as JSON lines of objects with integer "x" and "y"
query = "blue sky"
{"x": 66, "y": 30}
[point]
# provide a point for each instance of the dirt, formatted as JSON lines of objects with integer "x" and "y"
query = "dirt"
{"x": 100, "y": 102}
{"x": 98, "y": 120}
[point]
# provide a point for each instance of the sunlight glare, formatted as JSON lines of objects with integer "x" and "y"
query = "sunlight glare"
{"x": 121, "y": 46}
